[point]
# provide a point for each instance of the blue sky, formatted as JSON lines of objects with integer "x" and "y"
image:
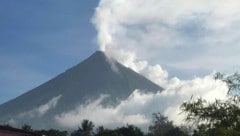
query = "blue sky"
{"x": 159, "y": 39}
{"x": 40, "y": 39}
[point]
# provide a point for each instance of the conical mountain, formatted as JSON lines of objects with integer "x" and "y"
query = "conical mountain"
{"x": 86, "y": 81}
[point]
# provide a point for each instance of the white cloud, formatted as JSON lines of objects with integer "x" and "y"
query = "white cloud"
{"x": 101, "y": 115}
{"x": 157, "y": 74}
{"x": 41, "y": 110}
{"x": 174, "y": 33}
{"x": 138, "y": 107}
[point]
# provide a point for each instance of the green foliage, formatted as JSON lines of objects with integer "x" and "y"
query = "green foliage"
{"x": 86, "y": 129}
{"x": 128, "y": 130}
{"x": 76, "y": 133}
{"x": 232, "y": 81}
{"x": 101, "y": 131}
{"x": 214, "y": 118}
{"x": 27, "y": 128}
{"x": 176, "y": 131}
{"x": 52, "y": 132}
{"x": 219, "y": 118}
{"x": 161, "y": 126}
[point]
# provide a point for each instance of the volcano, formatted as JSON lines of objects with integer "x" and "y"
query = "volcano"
{"x": 86, "y": 81}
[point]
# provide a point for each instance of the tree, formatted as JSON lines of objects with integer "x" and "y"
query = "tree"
{"x": 86, "y": 129}
{"x": 161, "y": 126}
{"x": 75, "y": 133}
{"x": 176, "y": 131}
{"x": 27, "y": 128}
{"x": 101, "y": 131}
{"x": 221, "y": 117}
{"x": 129, "y": 130}
{"x": 52, "y": 132}
{"x": 232, "y": 81}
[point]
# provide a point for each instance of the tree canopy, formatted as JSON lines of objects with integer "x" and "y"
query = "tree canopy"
{"x": 221, "y": 117}
{"x": 161, "y": 126}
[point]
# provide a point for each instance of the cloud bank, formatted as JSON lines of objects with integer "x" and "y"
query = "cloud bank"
{"x": 35, "y": 113}
{"x": 41, "y": 110}
{"x": 138, "y": 107}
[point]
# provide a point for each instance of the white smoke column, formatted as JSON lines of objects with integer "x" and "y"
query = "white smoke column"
{"x": 109, "y": 28}
{"x": 136, "y": 31}
{"x": 149, "y": 23}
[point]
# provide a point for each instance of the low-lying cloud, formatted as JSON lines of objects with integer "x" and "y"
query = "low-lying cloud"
{"x": 41, "y": 110}
{"x": 138, "y": 107}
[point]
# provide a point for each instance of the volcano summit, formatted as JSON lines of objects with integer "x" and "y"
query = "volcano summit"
{"x": 95, "y": 76}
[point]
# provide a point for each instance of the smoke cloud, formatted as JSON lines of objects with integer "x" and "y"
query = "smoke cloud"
{"x": 184, "y": 35}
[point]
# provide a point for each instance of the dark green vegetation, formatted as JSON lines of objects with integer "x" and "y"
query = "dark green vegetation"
{"x": 160, "y": 126}
{"x": 220, "y": 118}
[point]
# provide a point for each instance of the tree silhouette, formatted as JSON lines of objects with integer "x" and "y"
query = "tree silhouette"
{"x": 221, "y": 117}
{"x": 101, "y": 131}
{"x": 51, "y": 132}
{"x": 86, "y": 129}
{"x": 161, "y": 126}
{"x": 27, "y": 128}
{"x": 128, "y": 130}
